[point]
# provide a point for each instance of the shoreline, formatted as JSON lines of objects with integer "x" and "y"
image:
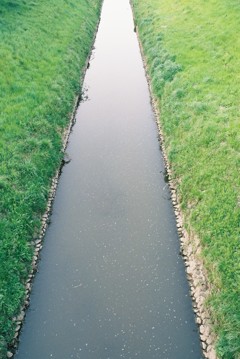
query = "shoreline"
{"x": 38, "y": 243}
{"x": 189, "y": 244}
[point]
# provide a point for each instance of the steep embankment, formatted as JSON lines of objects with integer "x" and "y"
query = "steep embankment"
{"x": 192, "y": 51}
{"x": 44, "y": 46}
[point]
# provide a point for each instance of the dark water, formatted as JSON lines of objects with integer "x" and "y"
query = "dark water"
{"x": 111, "y": 283}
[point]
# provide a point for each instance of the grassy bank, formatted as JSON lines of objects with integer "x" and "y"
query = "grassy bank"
{"x": 192, "y": 50}
{"x": 43, "y": 49}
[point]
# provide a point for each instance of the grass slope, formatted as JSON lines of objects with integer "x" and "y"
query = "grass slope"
{"x": 192, "y": 49}
{"x": 43, "y": 48}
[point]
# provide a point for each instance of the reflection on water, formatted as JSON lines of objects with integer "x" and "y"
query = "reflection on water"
{"x": 111, "y": 283}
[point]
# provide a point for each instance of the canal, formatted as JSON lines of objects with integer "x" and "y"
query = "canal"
{"x": 111, "y": 283}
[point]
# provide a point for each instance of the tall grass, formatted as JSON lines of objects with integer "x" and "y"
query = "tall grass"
{"x": 43, "y": 48}
{"x": 192, "y": 50}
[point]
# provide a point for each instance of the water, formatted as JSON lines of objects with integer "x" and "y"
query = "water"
{"x": 111, "y": 283}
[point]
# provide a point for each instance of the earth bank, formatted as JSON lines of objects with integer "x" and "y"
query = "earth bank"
{"x": 44, "y": 49}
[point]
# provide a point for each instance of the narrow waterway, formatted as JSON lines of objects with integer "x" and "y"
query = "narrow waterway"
{"x": 111, "y": 282}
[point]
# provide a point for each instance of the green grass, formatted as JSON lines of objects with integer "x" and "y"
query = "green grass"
{"x": 44, "y": 45}
{"x": 192, "y": 49}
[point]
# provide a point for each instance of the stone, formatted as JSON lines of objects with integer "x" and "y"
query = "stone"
{"x": 9, "y": 354}
{"x": 209, "y": 348}
{"x": 199, "y": 300}
{"x": 198, "y": 321}
{"x": 201, "y": 329}
{"x": 179, "y": 221}
{"x": 209, "y": 341}
{"x": 206, "y": 331}
{"x": 211, "y": 354}
{"x": 18, "y": 328}
{"x": 203, "y": 338}
{"x": 21, "y": 316}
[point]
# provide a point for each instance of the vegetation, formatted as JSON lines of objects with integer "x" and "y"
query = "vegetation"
{"x": 192, "y": 50}
{"x": 44, "y": 45}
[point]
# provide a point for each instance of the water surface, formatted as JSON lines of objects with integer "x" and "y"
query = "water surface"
{"x": 111, "y": 283}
